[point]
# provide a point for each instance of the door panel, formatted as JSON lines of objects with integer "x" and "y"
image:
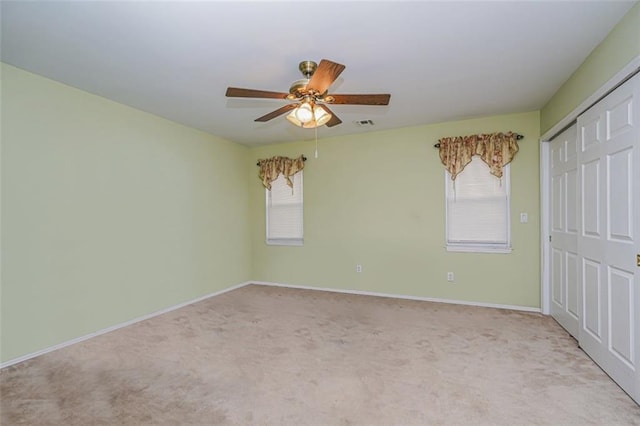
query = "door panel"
{"x": 571, "y": 201}
{"x": 590, "y": 131}
{"x": 608, "y": 163}
{"x": 619, "y": 189}
{"x": 620, "y": 118}
{"x": 621, "y": 314}
{"x": 557, "y": 281}
{"x": 565, "y": 306}
{"x": 591, "y": 199}
{"x": 591, "y": 322}
{"x": 573, "y": 298}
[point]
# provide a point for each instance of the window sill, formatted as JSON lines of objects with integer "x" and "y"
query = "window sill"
{"x": 295, "y": 243}
{"x": 480, "y": 249}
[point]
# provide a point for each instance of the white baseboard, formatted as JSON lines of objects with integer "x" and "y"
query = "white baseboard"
{"x": 117, "y": 326}
{"x": 402, "y": 296}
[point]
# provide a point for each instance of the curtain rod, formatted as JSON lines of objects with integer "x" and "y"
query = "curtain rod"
{"x": 518, "y": 137}
{"x": 303, "y": 159}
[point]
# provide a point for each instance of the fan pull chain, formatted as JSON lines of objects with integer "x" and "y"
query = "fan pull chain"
{"x": 316, "y": 131}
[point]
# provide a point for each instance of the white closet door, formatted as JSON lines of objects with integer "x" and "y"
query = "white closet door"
{"x": 565, "y": 301}
{"x": 608, "y": 227}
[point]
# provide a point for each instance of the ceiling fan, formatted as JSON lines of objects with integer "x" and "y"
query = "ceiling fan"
{"x": 310, "y": 96}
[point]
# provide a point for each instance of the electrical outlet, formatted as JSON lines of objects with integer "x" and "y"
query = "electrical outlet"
{"x": 358, "y": 268}
{"x": 449, "y": 276}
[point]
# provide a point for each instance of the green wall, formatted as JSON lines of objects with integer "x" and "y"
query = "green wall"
{"x": 619, "y": 48}
{"x": 377, "y": 199}
{"x": 109, "y": 213}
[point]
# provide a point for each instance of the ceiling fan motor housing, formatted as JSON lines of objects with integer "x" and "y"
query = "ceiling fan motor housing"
{"x": 298, "y": 88}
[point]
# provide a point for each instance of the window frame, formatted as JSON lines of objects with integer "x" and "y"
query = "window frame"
{"x": 274, "y": 241}
{"x": 480, "y": 247}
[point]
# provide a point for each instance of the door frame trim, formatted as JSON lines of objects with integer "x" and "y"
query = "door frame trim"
{"x": 545, "y": 171}
{"x": 545, "y": 227}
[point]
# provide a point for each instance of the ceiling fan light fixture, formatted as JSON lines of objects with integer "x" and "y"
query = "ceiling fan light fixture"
{"x": 304, "y": 113}
{"x": 321, "y": 116}
{"x": 293, "y": 119}
{"x": 318, "y": 116}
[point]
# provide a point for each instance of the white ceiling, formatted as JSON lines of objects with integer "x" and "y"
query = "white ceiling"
{"x": 440, "y": 61}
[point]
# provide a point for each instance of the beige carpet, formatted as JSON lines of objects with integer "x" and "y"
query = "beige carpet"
{"x": 272, "y": 356}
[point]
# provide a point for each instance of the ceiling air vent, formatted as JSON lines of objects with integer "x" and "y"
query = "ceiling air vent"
{"x": 364, "y": 123}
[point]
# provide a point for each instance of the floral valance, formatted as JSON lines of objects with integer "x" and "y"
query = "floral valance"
{"x": 271, "y": 168}
{"x": 495, "y": 149}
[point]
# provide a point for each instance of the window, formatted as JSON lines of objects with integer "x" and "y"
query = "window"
{"x": 284, "y": 212}
{"x": 478, "y": 210}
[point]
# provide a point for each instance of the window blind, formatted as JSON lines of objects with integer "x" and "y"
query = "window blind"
{"x": 478, "y": 208}
{"x": 284, "y": 211}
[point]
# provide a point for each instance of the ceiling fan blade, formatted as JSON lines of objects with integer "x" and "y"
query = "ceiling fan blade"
{"x": 378, "y": 99}
{"x": 326, "y": 74}
{"x": 236, "y": 92}
{"x": 334, "y": 120}
{"x": 276, "y": 113}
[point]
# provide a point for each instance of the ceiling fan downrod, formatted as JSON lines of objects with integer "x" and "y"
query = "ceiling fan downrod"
{"x": 307, "y": 68}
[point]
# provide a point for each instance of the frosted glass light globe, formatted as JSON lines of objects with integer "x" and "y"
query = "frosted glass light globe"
{"x": 304, "y": 113}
